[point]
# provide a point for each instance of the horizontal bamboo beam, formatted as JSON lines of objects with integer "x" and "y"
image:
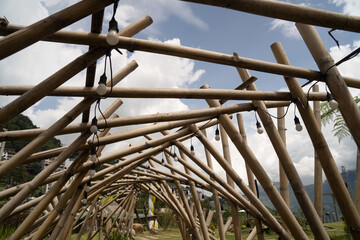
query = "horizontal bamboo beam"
{"x": 165, "y": 93}
{"x": 132, "y": 44}
{"x": 45, "y": 27}
{"x": 289, "y": 11}
{"x": 142, "y": 119}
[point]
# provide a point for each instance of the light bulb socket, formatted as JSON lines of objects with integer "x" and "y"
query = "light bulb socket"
{"x": 162, "y": 162}
{"x": 296, "y": 120}
{"x": 113, "y": 25}
{"x": 217, "y": 134}
{"x": 260, "y": 130}
{"x": 192, "y": 150}
{"x": 93, "y": 154}
{"x": 176, "y": 158}
{"x": 93, "y": 127}
{"x": 103, "y": 79}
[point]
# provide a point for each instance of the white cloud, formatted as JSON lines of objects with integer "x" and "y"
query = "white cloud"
{"x": 351, "y": 7}
{"x": 159, "y": 10}
{"x": 287, "y": 28}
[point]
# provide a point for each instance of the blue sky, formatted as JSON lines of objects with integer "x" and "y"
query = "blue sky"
{"x": 194, "y": 25}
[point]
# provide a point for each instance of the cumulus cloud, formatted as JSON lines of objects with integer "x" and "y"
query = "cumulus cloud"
{"x": 159, "y": 10}
{"x": 287, "y": 28}
{"x": 349, "y": 6}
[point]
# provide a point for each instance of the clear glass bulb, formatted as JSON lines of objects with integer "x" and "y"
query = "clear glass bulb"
{"x": 84, "y": 201}
{"x": 217, "y": 137}
{"x": 93, "y": 129}
{"x": 101, "y": 89}
{"x": 87, "y": 188}
{"x": 298, "y": 127}
{"x": 333, "y": 104}
{"x": 93, "y": 158}
{"x": 92, "y": 172}
{"x": 260, "y": 130}
{"x": 112, "y": 37}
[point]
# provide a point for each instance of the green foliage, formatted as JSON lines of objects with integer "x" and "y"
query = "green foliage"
{"x": 5, "y": 232}
{"x": 116, "y": 236}
{"x": 328, "y": 115}
{"x": 165, "y": 218}
{"x": 25, "y": 172}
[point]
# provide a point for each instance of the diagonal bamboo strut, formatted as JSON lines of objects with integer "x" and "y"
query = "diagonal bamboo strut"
{"x": 219, "y": 217}
{"x": 286, "y": 162}
{"x": 61, "y": 123}
{"x": 327, "y": 161}
{"x": 47, "y": 26}
{"x": 259, "y": 172}
{"x": 240, "y": 183}
{"x": 347, "y": 105}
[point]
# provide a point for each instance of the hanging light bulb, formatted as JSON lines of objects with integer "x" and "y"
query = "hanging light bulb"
{"x": 217, "y": 134}
{"x": 93, "y": 128}
{"x": 332, "y": 102}
{"x": 162, "y": 162}
{"x": 92, "y": 172}
{"x": 298, "y": 126}
{"x": 101, "y": 89}
{"x": 260, "y": 130}
{"x": 192, "y": 150}
{"x": 87, "y": 187}
{"x": 84, "y": 201}
{"x": 112, "y": 37}
{"x": 93, "y": 154}
{"x": 176, "y": 158}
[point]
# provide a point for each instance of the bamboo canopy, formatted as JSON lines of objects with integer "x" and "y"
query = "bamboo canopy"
{"x": 118, "y": 157}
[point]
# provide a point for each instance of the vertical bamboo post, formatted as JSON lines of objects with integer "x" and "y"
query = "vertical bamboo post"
{"x": 286, "y": 162}
{"x": 233, "y": 207}
{"x": 259, "y": 172}
{"x": 215, "y": 195}
{"x": 347, "y": 106}
{"x": 83, "y": 227}
{"x": 327, "y": 161}
{"x": 284, "y": 182}
{"x": 198, "y": 208}
{"x": 318, "y": 185}
{"x": 258, "y": 229}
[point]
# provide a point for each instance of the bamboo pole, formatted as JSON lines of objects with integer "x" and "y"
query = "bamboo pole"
{"x": 192, "y": 224}
{"x": 61, "y": 123}
{"x": 215, "y": 195}
{"x": 290, "y": 12}
{"x": 121, "y": 92}
{"x": 318, "y": 184}
{"x": 251, "y": 181}
{"x": 347, "y": 105}
{"x": 124, "y": 121}
{"x": 259, "y": 172}
{"x": 240, "y": 183}
{"x": 83, "y": 227}
{"x": 284, "y": 181}
{"x": 45, "y": 27}
{"x": 58, "y": 78}
{"x": 46, "y": 172}
{"x": 327, "y": 162}
{"x": 64, "y": 217}
{"x": 37, "y": 181}
{"x": 203, "y": 226}
{"x": 286, "y": 162}
{"x": 133, "y": 44}
{"x": 233, "y": 207}
{"x": 93, "y": 222}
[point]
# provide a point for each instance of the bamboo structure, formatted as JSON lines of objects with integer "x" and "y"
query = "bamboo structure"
{"x": 114, "y": 166}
